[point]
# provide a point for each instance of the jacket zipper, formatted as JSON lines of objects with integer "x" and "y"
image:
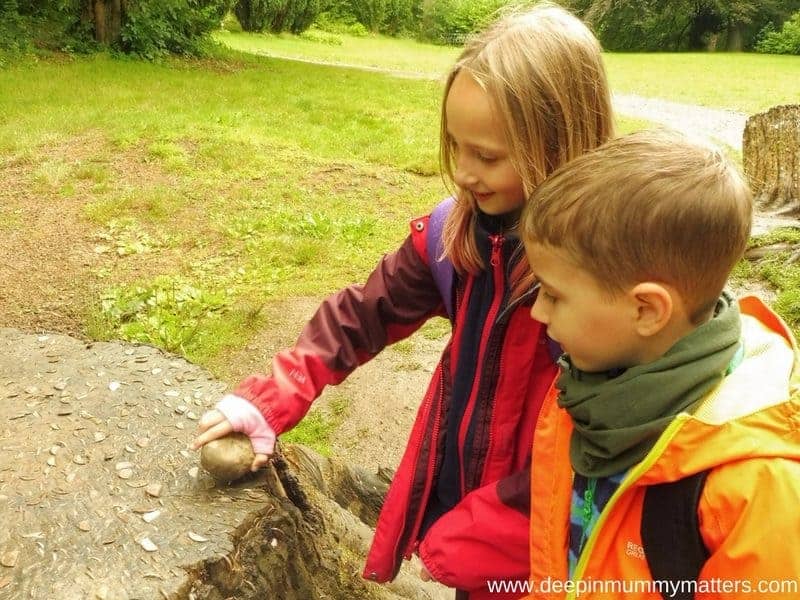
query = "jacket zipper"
{"x": 412, "y": 543}
{"x": 496, "y": 261}
{"x": 633, "y": 475}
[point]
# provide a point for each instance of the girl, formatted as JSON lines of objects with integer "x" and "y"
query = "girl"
{"x": 527, "y": 95}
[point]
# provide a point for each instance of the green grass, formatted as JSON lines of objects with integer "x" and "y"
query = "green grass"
{"x": 736, "y": 81}
{"x": 371, "y": 51}
{"x": 776, "y": 272}
{"x": 742, "y": 82}
{"x": 253, "y": 103}
{"x": 318, "y": 426}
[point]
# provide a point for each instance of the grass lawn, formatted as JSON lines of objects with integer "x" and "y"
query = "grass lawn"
{"x": 744, "y": 82}
{"x": 736, "y": 81}
{"x": 203, "y": 191}
{"x": 370, "y": 51}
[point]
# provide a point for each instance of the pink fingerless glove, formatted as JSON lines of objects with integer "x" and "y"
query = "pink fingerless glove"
{"x": 246, "y": 418}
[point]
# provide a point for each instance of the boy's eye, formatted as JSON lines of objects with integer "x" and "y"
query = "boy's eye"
{"x": 548, "y": 297}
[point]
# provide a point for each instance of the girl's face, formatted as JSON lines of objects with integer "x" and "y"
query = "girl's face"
{"x": 483, "y": 167}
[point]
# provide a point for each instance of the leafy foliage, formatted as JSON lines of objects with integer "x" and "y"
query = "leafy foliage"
{"x": 277, "y": 15}
{"x": 167, "y": 312}
{"x": 156, "y": 27}
{"x": 392, "y": 17}
{"x": 785, "y": 41}
{"x": 147, "y": 28}
{"x": 13, "y": 37}
{"x": 658, "y": 25}
{"x": 451, "y": 21}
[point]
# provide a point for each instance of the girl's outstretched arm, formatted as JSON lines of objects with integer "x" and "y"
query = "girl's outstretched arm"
{"x": 348, "y": 329}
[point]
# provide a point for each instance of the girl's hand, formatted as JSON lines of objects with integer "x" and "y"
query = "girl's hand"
{"x": 214, "y": 425}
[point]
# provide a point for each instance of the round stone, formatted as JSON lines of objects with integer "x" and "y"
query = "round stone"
{"x": 228, "y": 458}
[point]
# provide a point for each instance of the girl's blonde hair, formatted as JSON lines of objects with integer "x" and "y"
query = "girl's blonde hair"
{"x": 544, "y": 74}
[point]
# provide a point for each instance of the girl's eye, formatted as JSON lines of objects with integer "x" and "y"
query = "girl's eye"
{"x": 486, "y": 158}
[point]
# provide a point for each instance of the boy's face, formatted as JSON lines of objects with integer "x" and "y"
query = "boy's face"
{"x": 598, "y": 332}
{"x": 482, "y": 163}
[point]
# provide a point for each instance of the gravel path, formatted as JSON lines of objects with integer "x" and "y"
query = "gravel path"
{"x": 720, "y": 126}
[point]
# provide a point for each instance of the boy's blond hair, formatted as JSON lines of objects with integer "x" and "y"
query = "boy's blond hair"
{"x": 544, "y": 74}
{"x": 649, "y": 206}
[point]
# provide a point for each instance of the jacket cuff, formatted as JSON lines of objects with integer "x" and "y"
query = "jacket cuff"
{"x": 246, "y": 418}
{"x": 428, "y": 562}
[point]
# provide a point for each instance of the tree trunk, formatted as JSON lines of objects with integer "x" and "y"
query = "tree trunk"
{"x": 735, "y": 40}
{"x": 100, "y": 29}
{"x": 771, "y": 151}
{"x": 107, "y": 17}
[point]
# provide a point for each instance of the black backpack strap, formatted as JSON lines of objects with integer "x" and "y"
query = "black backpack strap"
{"x": 670, "y": 532}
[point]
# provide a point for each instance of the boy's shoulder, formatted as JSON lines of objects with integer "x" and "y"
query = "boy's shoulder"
{"x": 760, "y": 489}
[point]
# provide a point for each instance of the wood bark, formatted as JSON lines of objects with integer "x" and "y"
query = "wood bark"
{"x": 771, "y": 153}
{"x": 107, "y": 19}
{"x": 735, "y": 38}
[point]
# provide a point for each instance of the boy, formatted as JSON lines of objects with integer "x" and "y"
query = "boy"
{"x": 664, "y": 379}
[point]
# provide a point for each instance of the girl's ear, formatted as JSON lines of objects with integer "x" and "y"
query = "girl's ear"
{"x": 654, "y": 307}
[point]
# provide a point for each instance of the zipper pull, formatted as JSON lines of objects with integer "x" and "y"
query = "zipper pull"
{"x": 497, "y": 249}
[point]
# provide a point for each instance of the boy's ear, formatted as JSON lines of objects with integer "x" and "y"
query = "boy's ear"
{"x": 654, "y": 307}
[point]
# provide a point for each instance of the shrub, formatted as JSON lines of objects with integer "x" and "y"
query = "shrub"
{"x": 785, "y": 41}
{"x": 321, "y": 37}
{"x": 329, "y": 22}
{"x": 13, "y": 37}
{"x": 451, "y": 21}
{"x": 231, "y": 23}
{"x": 254, "y": 15}
{"x": 277, "y": 15}
{"x": 155, "y": 27}
{"x": 357, "y": 17}
{"x": 402, "y": 17}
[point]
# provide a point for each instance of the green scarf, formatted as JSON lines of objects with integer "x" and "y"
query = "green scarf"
{"x": 619, "y": 418}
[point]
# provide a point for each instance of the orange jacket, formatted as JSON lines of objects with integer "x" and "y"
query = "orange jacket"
{"x": 747, "y": 430}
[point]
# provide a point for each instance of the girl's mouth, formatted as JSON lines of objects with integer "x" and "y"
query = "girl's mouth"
{"x": 481, "y": 197}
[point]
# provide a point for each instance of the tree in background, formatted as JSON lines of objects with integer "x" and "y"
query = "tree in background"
{"x": 451, "y": 21}
{"x": 12, "y": 27}
{"x": 147, "y": 28}
{"x": 670, "y": 25}
{"x": 391, "y": 17}
{"x": 276, "y": 15}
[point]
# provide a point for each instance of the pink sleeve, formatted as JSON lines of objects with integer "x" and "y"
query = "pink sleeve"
{"x": 246, "y": 418}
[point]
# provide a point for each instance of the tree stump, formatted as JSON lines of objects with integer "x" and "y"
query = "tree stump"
{"x": 771, "y": 152}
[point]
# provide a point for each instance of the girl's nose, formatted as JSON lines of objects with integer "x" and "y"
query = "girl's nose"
{"x": 464, "y": 177}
